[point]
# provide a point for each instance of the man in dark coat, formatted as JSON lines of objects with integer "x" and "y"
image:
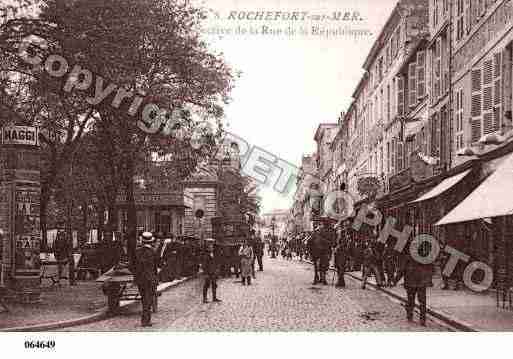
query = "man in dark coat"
{"x": 389, "y": 262}
{"x": 61, "y": 251}
{"x": 259, "y": 252}
{"x": 320, "y": 251}
{"x": 146, "y": 261}
{"x": 417, "y": 277}
{"x": 210, "y": 268}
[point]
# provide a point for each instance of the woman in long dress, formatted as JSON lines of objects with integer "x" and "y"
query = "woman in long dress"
{"x": 246, "y": 261}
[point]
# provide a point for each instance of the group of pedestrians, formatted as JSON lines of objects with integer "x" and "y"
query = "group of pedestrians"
{"x": 178, "y": 257}
{"x": 362, "y": 251}
{"x": 250, "y": 253}
{"x": 386, "y": 264}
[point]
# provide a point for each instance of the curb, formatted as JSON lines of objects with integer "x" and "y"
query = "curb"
{"x": 444, "y": 317}
{"x": 90, "y": 318}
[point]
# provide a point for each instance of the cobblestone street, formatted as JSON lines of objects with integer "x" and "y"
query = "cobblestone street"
{"x": 282, "y": 298}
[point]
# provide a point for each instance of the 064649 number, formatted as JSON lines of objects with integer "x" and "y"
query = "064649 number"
{"x": 39, "y": 344}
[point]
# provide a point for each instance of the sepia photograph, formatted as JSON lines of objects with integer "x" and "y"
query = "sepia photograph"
{"x": 232, "y": 166}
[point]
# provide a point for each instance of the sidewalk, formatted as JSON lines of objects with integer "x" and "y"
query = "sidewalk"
{"x": 64, "y": 306}
{"x": 58, "y": 304}
{"x": 465, "y": 309}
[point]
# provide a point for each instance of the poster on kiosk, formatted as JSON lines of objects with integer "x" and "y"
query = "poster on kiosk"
{"x": 19, "y": 203}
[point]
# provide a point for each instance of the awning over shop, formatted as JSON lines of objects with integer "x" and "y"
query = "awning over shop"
{"x": 493, "y": 198}
{"x": 442, "y": 187}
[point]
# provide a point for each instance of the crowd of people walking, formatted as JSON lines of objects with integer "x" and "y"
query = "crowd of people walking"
{"x": 349, "y": 251}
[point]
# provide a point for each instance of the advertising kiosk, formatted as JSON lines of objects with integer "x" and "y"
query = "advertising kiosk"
{"x": 20, "y": 194}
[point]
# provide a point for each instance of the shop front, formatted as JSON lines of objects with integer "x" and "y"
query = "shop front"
{"x": 486, "y": 218}
{"x": 157, "y": 212}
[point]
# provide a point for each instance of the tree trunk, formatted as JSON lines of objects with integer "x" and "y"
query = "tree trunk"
{"x": 131, "y": 212}
{"x": 101, "y": 221}
{"x": 82, "y": 236}
{"x": 112, "y": 223}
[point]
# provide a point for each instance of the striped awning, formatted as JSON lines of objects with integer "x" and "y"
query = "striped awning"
{"x": 442, "y": 187}
{"x": 493, "y": 198}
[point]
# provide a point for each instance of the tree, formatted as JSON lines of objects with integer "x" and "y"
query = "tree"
{"x": 149, "y": 48}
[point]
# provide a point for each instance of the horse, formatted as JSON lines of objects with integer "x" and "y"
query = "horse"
{"x": 319, "y": 247}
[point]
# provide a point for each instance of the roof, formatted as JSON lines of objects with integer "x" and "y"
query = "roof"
{"x": 321, "y": 127}
{"x": 491, "y": 199}
{"x": 377, "y": 46}
{"x": 442, "y": 186}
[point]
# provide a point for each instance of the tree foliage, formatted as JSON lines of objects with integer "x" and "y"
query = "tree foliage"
{"x": 150, "y": 48}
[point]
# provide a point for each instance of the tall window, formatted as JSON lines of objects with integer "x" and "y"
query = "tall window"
{"x": 412, "y": 84}
{"x": 460, "y": 19}
{"x": 380, "y": 170}
{"x": 468, "y": 16}
{"x": 421, "y": 74}
{"x": 444, "y": 136}
{"x": 437, "y": 70}
{"x": 400, "y": 156}
{"x": 388, "y": 157}
{"x": 388, "y": 103}
{"x": 435, "y": 13}
{"x": 435, "y": 135}
{"x": 397, "y": 37}
{"x": 380, "y": 68}
{"x": 459, "y": 120}
{"x": 400, "y": 96}
{"x": 393, "y": 156}
{"x": 497, "y": 90}
{"x": 486, "y": 108}
{"x": 382, "y": 105}
{"x": 445, "y": 63}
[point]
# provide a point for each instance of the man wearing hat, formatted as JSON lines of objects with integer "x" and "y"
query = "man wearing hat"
{"x": 210, "y": 269}
{"x": 146, "y": 275}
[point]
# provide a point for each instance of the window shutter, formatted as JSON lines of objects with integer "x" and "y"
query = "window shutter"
{"x": 438, "y": 68}
{"x": 399, "y": 156}
{"x": 488, "y": 97}
{"x": 497, "y": 91}
{"x": 393, "y": 157}
{"x": 507, "y": 80}
{"x": 476, "y": 110}
{"x": 400, "y": 96}
{"x": 421, "y": 74}
{"x": 459, "y": 119}
{"x": 468, "y": 17}
{"x": 412, "y": 84}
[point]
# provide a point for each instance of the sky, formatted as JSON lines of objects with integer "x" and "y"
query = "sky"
{"x": 290, "y": 84}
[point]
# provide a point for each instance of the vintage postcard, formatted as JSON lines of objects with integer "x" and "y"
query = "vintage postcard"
{"x": 238, "y": 166}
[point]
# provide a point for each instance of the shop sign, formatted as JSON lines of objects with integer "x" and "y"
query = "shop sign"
{"x": 20, "y": 135}
{"x": 164, "y": 199}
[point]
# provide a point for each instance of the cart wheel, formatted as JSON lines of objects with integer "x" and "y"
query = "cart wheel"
{"x": 113, "y": 292}
{"x": 113, "y": 302}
